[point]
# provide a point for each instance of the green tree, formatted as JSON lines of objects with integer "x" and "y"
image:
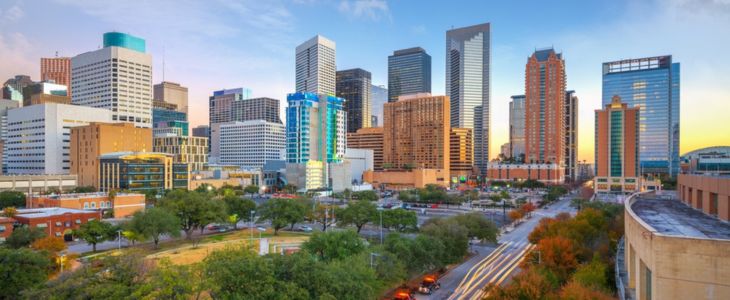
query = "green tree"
{"x": 324, "y": 214}
{"x": 251, "y": 189}
{"x": 194, "y": 210}
{"x": 400, "y": 219}
{"x": 238, "y": 206}
{"x": 24, "y": 236}
{"x": 453, "y": 235}
{"x": 95, "y": 231}
{"x": 334, "y": 244}
{"x": 478, "y": 226}
{"x": 290, "y": 189}
{"x": 21, "y": 269}
{"x": 154, "y": 223}
{"x": 282, "y": 212}
{"x": 168, "y": 281}
{"x": 357, "y": 213}
{"x": 593, "y": 274}
{"x": 84, "y": 189}
{"x": 12, "y": 198}
{"x": 366, "y": 195}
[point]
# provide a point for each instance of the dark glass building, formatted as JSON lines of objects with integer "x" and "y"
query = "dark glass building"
{"x": 142, "y": 171}
{"x": 652, "y": 85}
{"x": 354, "y": 86}
{"x": 409, "y": 72}
{"x": 163, "y": 117}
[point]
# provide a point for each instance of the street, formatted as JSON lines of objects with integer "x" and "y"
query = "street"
{"x": 494, "y": 264}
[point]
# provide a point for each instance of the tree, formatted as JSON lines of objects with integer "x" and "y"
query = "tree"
{"x": 366, "y": 195}
{"x": 282, "y": 212}
{"x": 194, "y": 210}
{"x": 132, "y": 236}
{"x": 324, "y": 214}
{"x": 400, "y": 219}
{"x": 290, "y": 188}
{"x": 576, "y": 291}
{"x": 251, "y": 189}
{"x": 10, "y": 211}
{"x": 529, "y": 284}
{"x": 357, "y": 213}
{"x": 168, "y": 281}
{"x": 51, "y": 244}
{"x": 453, "y": 235}
{"x": 24, "y": 236}
{"x": 478, "y": 226}
{"x": 12, "y": 198}
{"x": 95, "y": 231}
{"x": 592, "y": 275}
{"x": 527, "y": 208}
{"x": 240, "y": 207}
{"x": 557, "y": 254}
{"x": 334, "y": 245}
{"x": 154, "y": 223}
{"x": 21, "y": 269}
{"x": 515, "y": 215}
{"x": 84, "y": 189}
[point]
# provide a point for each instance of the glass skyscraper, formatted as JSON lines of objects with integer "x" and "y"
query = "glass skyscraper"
{"x": 354, "y": 86}
{"x": 409, "y": 72}
{"x": 378, "y": 98}
{"x": 652, "y": 85}
{"x": 315, "y": 128}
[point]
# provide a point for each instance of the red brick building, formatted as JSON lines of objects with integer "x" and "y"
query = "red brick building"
{"x": 6, "y": 228}
{"x": 617, "y": 148}
{"x": 123, "y": 204}
{"x": 57, "y": 69}
{"x": 56, "y": 221}
{"x": 546, "y": 173}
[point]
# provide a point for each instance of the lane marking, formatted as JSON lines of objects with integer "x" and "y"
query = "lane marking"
{"x": 481, "y": 265}
{"x": 517, "y": 255}
{"x": 508, "y": 272}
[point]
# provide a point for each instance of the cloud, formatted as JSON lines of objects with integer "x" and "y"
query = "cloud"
{"x": 418, "y": 29}
{"x": 13, "y": 14}
{"x": 15, "y": 50}
{"x": 369, "y": 9}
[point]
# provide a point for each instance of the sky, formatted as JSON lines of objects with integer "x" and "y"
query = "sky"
{"x": 216, "y": 44}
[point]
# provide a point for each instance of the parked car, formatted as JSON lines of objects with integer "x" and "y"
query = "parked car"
{"x": 403, "y": 295}
{"x": 218, "y": 227}
{"x": 305, "y": 228}
{"x": 428, "y": 285}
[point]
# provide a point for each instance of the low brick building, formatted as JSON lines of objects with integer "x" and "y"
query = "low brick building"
{"x": 56, "y": 221}
{"x": 6, "y": 228}
{"x": 710, "y": 194}
{"x": 123, "y": 204}
{"x": 405, "y": 180}
{"x": 546, "y": 173}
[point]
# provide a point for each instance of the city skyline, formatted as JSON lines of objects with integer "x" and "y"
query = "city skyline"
{"x": 202, "y": 56}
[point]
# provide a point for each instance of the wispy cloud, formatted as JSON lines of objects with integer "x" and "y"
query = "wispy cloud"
{"x": 12, "y": 14}
{"x": 15, "y": 55}
{"x": 374, "y": 10}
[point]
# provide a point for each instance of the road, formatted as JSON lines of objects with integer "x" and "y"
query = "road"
{"x": 494, "y": 264}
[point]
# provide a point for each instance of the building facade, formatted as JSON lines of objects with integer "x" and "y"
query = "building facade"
{"x": 379, "y": 96}
{"x": 710, "y": 160}
{"x": 45, "y": 92}
{"x": 360, "y": 161}
{"x": 354, "y": 86}
{"x": 571, "y": 136}
{"x": 56, "y": 221}
{"x": 368, "y": 138}
{"x": 91, "y": 141}
{"x": 185, "y": 149}
{"x": 653, "y": 85}
{"x": 38, "y": 139}
{"x": 517, "y": 127}
{"x": 38, "y": 183}
{"x": 202, "y": 131}
{"x": 316, "y": 67}
{"x": 165, "y": 118}
{"x": 57, "y": 70}
{"x": 315, "y": 128}
{"x": 409, "y": 72}
{"x": 545, "y": 107}
{"x": 142, "y": 172}
{"x": 461, "y": 154}
{"x": 117, "y": 78}
{"x": 171, "y": 92}
{"x": 551, "y": 173}
{"x": 13, "y": 87}
{"x": 5, "y": 106}
{"x": 707, "y": 193}
{"x": 617, "y": 147}
{"x": 122, "y": 205}
{"x": 468, "y": 83}
{"x": 248, "y": 144}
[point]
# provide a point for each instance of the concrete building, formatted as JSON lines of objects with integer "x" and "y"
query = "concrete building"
{"x": 316, "y": 67}
{"x": 340, "y": 176}
{"x": 379, "y": 96}
{"x": 461, "y": 155}
{"x": 545, "y": 82}
{"x": 122, "y": 205}
{"x": 409, "y": 72}
{"x": 5, "y": 106}
{"x": 274, "y": 173}
{"x": 219, "y": 175}
{"x": 405, "y": 179}
{"x": 39, "y": 136}
{"x": 247, "y": 144}
{"x": 307, "y": 176}
{"x": 202, "y": 131}
{"x": 189, "y": 150}
{"x": 710, "y": 160}
{"x": 552, "y": 173}
{"x": 368, "y": 138}
{"x": 45, "y": 92}
{"x": 38, "y": 183}
{"x": 56, "y": 221}
{"x": 171, "y": 92}
{"x": 571, "y": 136}
{"x": 468, "y": 83}
{"x": 354, "y": 85}
{"x": 57, "y": 70}
{"x": 517, "y": 127}
{"x": 417, "y": 133}
{"x": 706, "y": 193}
{"x": 89, "y": 142}
{"x": 672, "y": 251}
{"x": 617, "y": 148}
{"x": 117, "y": 77}
{"x": 142, "y": 172}
{"x": 360, "y": 160}
{"x": 653, "y": 85}
{"x": 585, "y": 171}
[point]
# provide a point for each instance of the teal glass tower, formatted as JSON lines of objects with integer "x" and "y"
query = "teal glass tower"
{"x": 118, "y": 39}
{"x": 315, "y": 128}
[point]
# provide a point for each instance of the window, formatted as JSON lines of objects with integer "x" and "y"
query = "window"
{"x": 86, "y": 205}
{"x": 78, "y": 221}
{"x": 93, "y": 205}
{"x": 2, "y": 228}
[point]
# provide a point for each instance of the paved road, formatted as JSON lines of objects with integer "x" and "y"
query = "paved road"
{"x": 493, "y": 264}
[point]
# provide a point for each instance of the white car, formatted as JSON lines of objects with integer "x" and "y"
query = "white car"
{"x": 305, "y": 228}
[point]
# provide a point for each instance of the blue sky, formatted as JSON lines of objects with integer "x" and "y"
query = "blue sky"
{"x": 216, "y": 44}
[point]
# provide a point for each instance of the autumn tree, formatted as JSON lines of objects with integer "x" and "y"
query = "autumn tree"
{"x": 529, "y": 284}
{"x": 557, "y": 254}
{"x": 514, "y": 215}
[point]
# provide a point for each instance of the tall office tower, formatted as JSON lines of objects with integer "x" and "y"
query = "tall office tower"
{"x": 191, "y": 150}
{"x": 379, "y": 96}
{"x": 353, "y": 85}
{"x": 117, "y": 77}
{"x": 545, "y": 107}
{"x": 45, "y": 92}
{"x": 417, "y": 132}
{"x": 202, "y": 131}
{"x": 468, "y": 83}
{"x": 248, "y": 144}
{"x": 237, "y": 105}
{"x": 171, "y": 92}
{"x": 652, "y": 84}
{"x": 368, "y": 138}
{"x": 571, "y": 136}
{"x": 315, "y": 66}
{"x": 517, "y": 127}
{"x": 49, "y": 126}
{"x": 58, "y": 70}
{"x": 5, "y": 106}
{"x": 315, "y": 128}
{"x": 13, "y": 87}
{"x": 461, "y": 155}
{"x": 409, "y": 72}
{"x": 89, "y": 142}
{"x": 480, "y": 145}
{"x": 617, "y": 147}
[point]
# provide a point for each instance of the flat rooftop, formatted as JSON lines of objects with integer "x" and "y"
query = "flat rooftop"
{"x": 32, "y": 213}
{"x": 672, "y": 217}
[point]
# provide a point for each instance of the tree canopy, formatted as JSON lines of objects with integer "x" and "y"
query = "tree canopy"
{"x": 95, "y": 231}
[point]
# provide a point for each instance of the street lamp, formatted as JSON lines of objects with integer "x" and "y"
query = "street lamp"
{"x": 380, "y": 209}
{"x": 119, "y": 238}
{"x": 62, "y": 258}
{"x": 253, "y": 212}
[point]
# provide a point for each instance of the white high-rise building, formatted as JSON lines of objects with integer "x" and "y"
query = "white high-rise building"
{"x": 117, "y": 77}
{"x": 316, "y": 69}
{"x": 38, "y": 138}
{"x": 247, "y": 144}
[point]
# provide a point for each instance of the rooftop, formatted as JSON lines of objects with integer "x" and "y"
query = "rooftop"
{"x": 32, "y": 213}
{"x": 74, "y": 196}
{"x": 672, "y": 217}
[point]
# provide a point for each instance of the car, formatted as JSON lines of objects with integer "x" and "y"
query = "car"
{"x": 403, "y": 295}
{"x": 429, "y": 284}
{"x": 218, "y": 227}
{"x": 305, "y": 228}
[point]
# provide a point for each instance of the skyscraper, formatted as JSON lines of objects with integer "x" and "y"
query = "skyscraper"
{"x": 652, "y": 85}
{"x": 479, "y": 147}
{"x": 248, "y": 144}
{"x": 571, "y": 136}
{"x": 468, "y": 83}
{"x": 315, "y": 66}
{"x": 171, "y": 92}
{"x": 353, "y": 85}
{"x": 237, "y": 105}
{"x": 379, "y": 96}
{"x": 117, "y": 77}
{"x": 617, "y": 148}
{"x": 58, "y": 70}
{"x": 13, "y": 87}
{"x": 545, "y": 107}
{"x": 315, "y": 128}
{"x": 409, "y": 72}
{"x": 517, "y": 127}
{"x": 461, "y": 154}
{"x": 5, "y": 106}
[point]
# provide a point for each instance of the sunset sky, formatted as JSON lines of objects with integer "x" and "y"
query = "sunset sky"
{"x": 217, "y": 44}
